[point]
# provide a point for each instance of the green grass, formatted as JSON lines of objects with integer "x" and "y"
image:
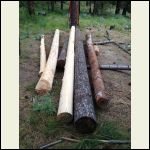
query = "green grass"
{"x": 45, "y": 104}
{"x": 59, "y": 19}
{"x": 111, "y": 130}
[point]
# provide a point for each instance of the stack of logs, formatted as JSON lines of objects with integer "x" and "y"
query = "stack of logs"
{"x": 76, "y": 95}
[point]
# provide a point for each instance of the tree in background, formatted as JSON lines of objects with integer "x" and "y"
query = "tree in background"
{"x": 118, "y": 5}
{"x": 31, "y": 8}
{"x": 127, "y": 7}
{"x": 62, "y": 5}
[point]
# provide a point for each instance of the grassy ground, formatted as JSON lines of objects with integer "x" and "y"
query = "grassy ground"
{"x": 38, "y": 122}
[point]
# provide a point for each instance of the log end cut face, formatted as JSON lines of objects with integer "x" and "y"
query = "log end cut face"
{"x": 42, "y": 87}
{"x": 65, "y": 117}
{"x": 85, "y": 125}
{"x": 102, "y": 100}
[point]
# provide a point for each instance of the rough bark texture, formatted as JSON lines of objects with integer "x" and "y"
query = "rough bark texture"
{"x": 65, "y": 109}
{"x": 46, "y": 81}
{"x": 98, "y": 84}
{"x": 74, "y": 13}
{"x": 62, "y": 57}
{"x": 84, "y": 114}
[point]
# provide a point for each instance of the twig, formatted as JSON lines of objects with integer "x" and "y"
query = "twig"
{"x": 69, "y": 139}
{"x": 51, "y": 144}
{"x": 122, "y": 48}
{"x": 103, "y": 42}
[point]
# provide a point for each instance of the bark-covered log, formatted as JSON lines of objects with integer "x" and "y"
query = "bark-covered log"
{"x": 84, "y": 114}
{"x": 98, "y": 84}
{"x": 42, "y": 56}
{"x": 62, "y": 57}
{"x": 45, "y": 83}
{"x": 65, "y": 109}
{"x": 96, "y": 49}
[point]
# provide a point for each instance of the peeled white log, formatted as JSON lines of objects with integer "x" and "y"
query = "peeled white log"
{"x": 65, "y": 109}
{"x": 45, "y": 83}
{"x": 42, "y": 56}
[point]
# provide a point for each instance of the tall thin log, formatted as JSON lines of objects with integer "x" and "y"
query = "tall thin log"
{"x": 42, "y": 56}
{"x": 62, "y": 57}
{"x": 84, "y": 114}
{"x": 45, "y": 83}
{"x": 96, "y": 76}
{"x": 65, "y": 109}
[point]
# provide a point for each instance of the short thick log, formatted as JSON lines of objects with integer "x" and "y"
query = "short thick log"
{"x": 45, "y": 83}
{"x": 42, "y": 56}
{"x": 98, "y": 84}
{"x": 65, "y": 109}
{"x": 84, "y": 114}
{"x": 62, "y": 57}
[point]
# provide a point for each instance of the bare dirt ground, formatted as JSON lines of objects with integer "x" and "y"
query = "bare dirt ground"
{"x": 117, "y": 83}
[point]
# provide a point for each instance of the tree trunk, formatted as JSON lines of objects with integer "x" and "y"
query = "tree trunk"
{"x": 96, "y": 76}
{"x": 84, "y": 114}
{"x": 48, "y": 4}
{"x": 62, "y": 5}
{"x": 117, "y": 11}
{"x": 65, "y": 109}
{"x": 62, "y": 57}
{"x": 31, "y": 8}
{"x": 96, "y": 8}
{"x": 74, "y": 13}
{"x": 96, "y": 49}
{"x": 90, "y": 8}
{"x": 125, "y": 8}
{"x": 52, "y": 5}
{"x": 45, "y": 83}
{"x": 42, "y": 56}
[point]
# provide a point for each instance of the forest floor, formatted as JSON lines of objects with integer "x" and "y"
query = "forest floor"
{"x": 38, "y": 128}
{"x": 38, "y": 124}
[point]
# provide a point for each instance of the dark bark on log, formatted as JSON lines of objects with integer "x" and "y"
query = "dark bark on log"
{"x": 62, "y": 57}
{"x": 84, "y": 114}
{"x": 98, "y": 84}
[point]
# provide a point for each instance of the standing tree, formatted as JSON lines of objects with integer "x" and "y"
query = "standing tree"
{"x": 31, "y": 8}
{"x": 90, "y": 7}
{"x": 62, "y": 5}
{"x": 118, "y": 4}
{"x": 74, "y": 13}
{"x": 52, "y": 5}
{"x": 126, "y": 7}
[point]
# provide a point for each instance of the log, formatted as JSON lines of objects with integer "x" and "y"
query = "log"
{"x": 62, "y": 57}
{"x": 42, "y": 56}
{"x": 103, "y": 42}
{"x": 65, "y": 109}
{"x": 84, "y": 114}
{"x": 45, "y": 83}
{"x": 98, "y": 84}
{"x": 96, "y": 49}
{"x": 113, "y": 67}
